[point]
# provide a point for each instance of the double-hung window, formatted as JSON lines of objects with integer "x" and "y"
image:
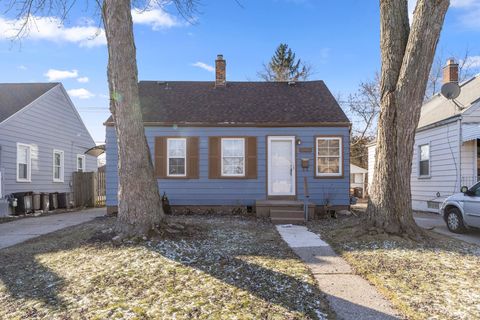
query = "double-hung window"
{"x": 80, "y": 162}
{"x": 329, "y": 157}
{"x": 24, "y": 162}
{"x": 233, "y": 157}
{"x": 176, "y": 157}
{"x": 424, "y": 161}
{"x": 58, "y": 165}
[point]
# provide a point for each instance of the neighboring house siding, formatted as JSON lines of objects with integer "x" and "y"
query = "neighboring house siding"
{"x": 204, "y": 191}
{"x": 469, "y": 167}
{"x": 48, "y": 123}
{"x": 371, "y": 164}
{"x": 447, "y": 171}
{"x": 453, "y": 163}
{"x": 444, "y": 166}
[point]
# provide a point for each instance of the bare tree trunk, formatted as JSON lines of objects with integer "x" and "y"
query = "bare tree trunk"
{"x": 139, "y": 203}
{"x": 407, "y": 56}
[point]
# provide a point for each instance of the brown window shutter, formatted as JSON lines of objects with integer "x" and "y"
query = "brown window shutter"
{"x": 251, "y": 157}
{"x": 193, "y": 161}
{"x": 160, "y": 157}
{"x": 214, "y": 155}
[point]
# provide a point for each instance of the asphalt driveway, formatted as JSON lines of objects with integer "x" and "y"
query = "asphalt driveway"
{"x": 14, "y": 232}
{"x": 435, "y": 222}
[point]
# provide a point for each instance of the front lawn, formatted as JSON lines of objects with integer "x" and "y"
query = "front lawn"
{"x": 434, "y": 279}
{"x": 227, "y": 268}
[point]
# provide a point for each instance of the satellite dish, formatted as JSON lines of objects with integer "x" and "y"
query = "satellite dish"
{"x": 450, "y": 90}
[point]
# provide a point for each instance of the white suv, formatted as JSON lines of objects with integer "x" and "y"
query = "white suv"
{"x": 462, "y": 210}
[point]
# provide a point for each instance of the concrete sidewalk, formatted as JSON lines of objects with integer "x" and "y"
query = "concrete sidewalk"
{"x": 14, "y": 232}
{"x": 349, "y": 295}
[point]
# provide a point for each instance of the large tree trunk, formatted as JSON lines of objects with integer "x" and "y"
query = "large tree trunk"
{"x": 139, "y": 203}
{"x": 407, "y": 56}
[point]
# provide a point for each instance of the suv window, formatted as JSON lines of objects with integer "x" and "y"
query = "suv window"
{"x": 475, "y": 190}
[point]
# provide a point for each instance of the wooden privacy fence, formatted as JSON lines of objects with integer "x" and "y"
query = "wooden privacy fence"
{"x": 89, "y": 189}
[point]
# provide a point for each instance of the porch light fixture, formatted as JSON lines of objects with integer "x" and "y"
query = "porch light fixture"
{"x": 299, "y": 141}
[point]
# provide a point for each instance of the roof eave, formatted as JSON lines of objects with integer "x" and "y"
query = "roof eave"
{"x": 240, "y": 124}
{"x": 439, "y": 123}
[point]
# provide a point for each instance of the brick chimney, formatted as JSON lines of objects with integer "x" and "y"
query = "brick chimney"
{"x": 220, "y": 71}
{"x": 450, "y": 71}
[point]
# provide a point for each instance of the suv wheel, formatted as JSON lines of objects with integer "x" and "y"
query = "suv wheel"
{"x": 455, "y": 221}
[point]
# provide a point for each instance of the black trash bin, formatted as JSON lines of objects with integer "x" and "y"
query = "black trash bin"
{"x": 53, "y": 200}
{"x": 45, "y": 201}
{"x": 65, "y": 200}
{"x": 24, "y": 202}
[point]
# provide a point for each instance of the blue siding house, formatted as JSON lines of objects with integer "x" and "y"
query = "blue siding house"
{"x": 42, "y": 140}
{"x": 239, "y": 145}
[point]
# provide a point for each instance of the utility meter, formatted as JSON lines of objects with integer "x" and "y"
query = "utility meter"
{"x": 305, "y": 163}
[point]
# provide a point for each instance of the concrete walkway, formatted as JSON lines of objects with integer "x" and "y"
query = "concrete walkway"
{"x": 349, "y": 295}
{"x": 15, "y": 232}
{"x": 436, "y": 223}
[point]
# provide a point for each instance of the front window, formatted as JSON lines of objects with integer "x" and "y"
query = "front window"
{"x": 80, "y": 163}
{"x": 233, "y": 157}
{"x": 58, "y": 165}
{"x": 177, "y": 154}
{"x": 24, "y": 163}
{"x": 424, "y": 163}
{"x": 329, "y": 156}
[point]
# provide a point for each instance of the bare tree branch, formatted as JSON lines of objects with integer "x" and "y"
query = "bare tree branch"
{"x": 364, "y": 107}
{"x": 466, "y": 70}
{"x": 27, "y": 10}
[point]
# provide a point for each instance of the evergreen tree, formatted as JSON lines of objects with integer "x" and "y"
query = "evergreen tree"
{"x": 284, "y": 66}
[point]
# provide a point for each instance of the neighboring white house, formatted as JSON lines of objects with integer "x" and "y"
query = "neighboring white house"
{"x": 358, "y": 178}
{"x": 446, "y": 147}
{"x": 43, "y": 140}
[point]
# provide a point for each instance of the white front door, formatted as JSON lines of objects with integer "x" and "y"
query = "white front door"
{"x": 281, "y": 166}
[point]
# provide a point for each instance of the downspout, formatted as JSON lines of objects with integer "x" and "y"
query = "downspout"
{"x": 475, "y": 162}
{"x": 459, "y": 154}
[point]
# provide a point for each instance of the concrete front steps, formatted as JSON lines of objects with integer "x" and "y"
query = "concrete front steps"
{"x": 284, "y": 211}
{"x": 287, "y": 216}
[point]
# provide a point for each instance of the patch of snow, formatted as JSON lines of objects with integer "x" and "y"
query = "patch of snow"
{"x": 321, "y": 315}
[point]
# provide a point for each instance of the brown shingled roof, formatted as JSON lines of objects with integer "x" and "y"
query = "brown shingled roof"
{"x": 255, "y": 103}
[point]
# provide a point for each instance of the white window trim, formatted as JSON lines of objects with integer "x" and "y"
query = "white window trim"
{"x": 221, "y": 158}
{"x": 29, "y": 163}
{"x": 168, "y": 158}
{"x": 425, "y": 176}
{"x": 82, "y": 156}
{"x": 340, "y": 158}
{"x": 62, "y": 165}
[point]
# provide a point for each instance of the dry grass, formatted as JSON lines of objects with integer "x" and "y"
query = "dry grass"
{"x": 438, "y": 278}
{"x": 231, "y": 268}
